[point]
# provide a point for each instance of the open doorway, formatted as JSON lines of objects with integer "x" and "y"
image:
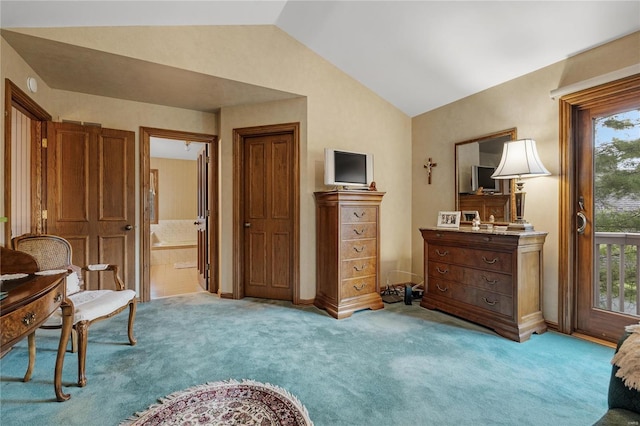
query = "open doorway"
{"x": 173, "y": 202}
{"x": 179, "y": 209}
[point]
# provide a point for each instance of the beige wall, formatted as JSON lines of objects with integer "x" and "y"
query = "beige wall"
{"x": 334, "y": 111}
{"x": 523, "y": 103}
{"x": 177, "y": 189}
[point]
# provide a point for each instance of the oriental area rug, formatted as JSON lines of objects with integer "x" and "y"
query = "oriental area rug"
{"x": 226, "y": 403}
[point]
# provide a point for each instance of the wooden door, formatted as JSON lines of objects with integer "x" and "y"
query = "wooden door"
{"x": 268, "y": 216}
{"x": 202, "y": 221}
{"x": 90, "y": 200}
{"x": 608, "y": 236}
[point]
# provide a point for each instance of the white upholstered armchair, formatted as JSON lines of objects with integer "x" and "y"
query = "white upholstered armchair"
{"x": 54, "y": 253}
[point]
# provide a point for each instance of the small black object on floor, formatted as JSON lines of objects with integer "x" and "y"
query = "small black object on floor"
{"x": 408, "y": 294}
{"x": 401, "y": 292}
{"x": 391, "y": 295}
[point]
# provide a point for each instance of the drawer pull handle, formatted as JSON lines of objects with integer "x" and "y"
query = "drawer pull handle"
{"x": 360, "y": 232}
{"x": 490, "y": 262}
{"x": 487, "y": 239}
{"x": 360, "y": 287}
{"x": 58, "y": 298}
{"x": 489, "y": 281}
{"x": 439, "y": 253}
{"x": 441, "y": 271}
{"x": 29, "y": 319}
{"x": 359, "y": 215}
{"x": 489, "y": 302}
{"x": 442, "y": 289}
{"x": 362, "y": 268}
{"x": 359, "y": 250}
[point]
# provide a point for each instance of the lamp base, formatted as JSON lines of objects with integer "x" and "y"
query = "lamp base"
{"x": 520, "y": 226}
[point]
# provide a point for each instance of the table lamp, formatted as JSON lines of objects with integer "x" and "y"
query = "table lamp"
{"x": 520, "y": 160}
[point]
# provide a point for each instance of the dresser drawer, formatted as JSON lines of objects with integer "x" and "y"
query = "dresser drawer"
{"x": 357, "y": 214}
{"x": 439, "y": 287}
{"x": 440, "y": 253}
{"x": 32, "y": 315}
{"x": 486, "y": 300}
{"x": 485, "y": 259}
{"x": 354, "y": 231}
{"x": 457, "y": 292}
{"x": 488, "y": 280}
{"x": 357, "y": 287}
{"x": 445, "y": 271}
{"x": 353, "y": 249}
{"x": 359, "y": 267}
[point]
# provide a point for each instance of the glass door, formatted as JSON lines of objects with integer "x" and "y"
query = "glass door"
{"x": 608, "y": 218}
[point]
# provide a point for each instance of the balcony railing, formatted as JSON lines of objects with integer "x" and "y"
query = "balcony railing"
{"x": 617, "y": 272}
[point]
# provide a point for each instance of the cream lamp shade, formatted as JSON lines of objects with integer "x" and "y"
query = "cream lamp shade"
{"x": 520, "y": 160}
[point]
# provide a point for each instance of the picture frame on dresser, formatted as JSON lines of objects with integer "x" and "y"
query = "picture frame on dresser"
{"x": 449, "y": 219}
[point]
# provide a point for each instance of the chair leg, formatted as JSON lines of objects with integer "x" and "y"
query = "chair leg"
{"x": 132, "y": 316}
{"x": 82, "y": 329}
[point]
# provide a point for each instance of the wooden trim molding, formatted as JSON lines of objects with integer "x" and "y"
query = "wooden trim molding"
{"x": 145, "y": 229}
{"x": 238, "y": 167}
{"x": 569, "y": 105}
{"x": 14, "y": 97}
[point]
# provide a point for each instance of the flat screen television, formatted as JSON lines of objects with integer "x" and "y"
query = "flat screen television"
{"x": 481, "y": 177}
{"x": 347, "y": 168}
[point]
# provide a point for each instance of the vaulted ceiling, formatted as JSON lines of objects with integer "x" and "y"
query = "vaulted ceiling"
{"x": 418, "y": 55}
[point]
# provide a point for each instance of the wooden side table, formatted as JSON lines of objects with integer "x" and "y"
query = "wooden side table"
{"x": 28, "y": 304}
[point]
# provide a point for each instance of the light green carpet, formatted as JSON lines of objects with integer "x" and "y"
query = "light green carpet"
{"x": 403, "y": 365}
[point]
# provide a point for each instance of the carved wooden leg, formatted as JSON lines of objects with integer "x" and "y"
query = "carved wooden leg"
{"x": 82, "y": 328}
{"x": 67, "y": 323}
{"x": 32, "y": 356}
{"x": 132, "y": 317}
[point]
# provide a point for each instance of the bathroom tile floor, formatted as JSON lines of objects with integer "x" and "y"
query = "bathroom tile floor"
{"x": 168, "y": 281}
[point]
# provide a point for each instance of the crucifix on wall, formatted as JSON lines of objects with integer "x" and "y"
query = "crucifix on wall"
{"x": 429, "y": 166}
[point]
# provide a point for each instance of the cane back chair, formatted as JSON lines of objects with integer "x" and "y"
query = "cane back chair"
{"x": 53, "y": 253}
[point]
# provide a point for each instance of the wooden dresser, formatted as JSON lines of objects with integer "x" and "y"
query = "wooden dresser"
{"x": 486, "y": 205}
{"x": 348, "y": 249}
{"x": 491, "y": 278}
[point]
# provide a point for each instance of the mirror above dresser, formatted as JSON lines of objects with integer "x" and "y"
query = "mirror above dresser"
{"x": 475, "y": 161}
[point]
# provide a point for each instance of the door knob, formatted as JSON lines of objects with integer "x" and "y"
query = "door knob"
{"x": 247, "y": 224}
{"x": 128, "y": 228}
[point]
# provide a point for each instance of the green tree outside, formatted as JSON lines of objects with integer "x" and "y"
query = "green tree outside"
{"x": 617, "y": 201}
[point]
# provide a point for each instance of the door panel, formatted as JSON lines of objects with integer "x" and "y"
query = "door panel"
{"x": 281, "y": 266}
{"x": 113, "y": 172}
{"x": 90, "y": 196}
{"x": 69, "y": 185}
{"x": 202, "y": 221}
{"x": 258, "y": 265}
{"x": 268, "y": 217}
{"x": 607, "y": 293}
{"x": 281, "y": 157}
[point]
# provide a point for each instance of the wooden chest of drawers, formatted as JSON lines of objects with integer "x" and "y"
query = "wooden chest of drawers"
{"x": 347, "y": 256}
{"x": 490, "y": 278}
